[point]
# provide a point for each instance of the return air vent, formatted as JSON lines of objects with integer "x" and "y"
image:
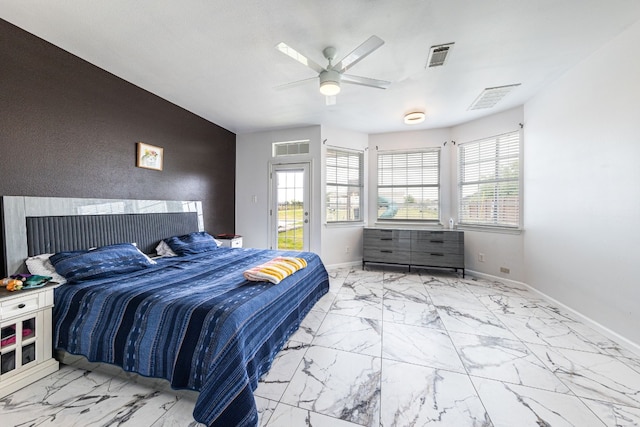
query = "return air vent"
{"x": 290, "y": 148}
{"x": 438, "y": 54}
{"x": 491, "y": 96}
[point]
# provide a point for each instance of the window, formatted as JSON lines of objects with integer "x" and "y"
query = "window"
{"x": 344, "y": 185}
{"x": 409, "y": 185}
{"x": 290, "y": 148}
{"x": 489, "y": 181}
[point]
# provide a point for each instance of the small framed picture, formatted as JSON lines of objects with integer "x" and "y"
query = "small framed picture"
{"x": 149, "y": 156}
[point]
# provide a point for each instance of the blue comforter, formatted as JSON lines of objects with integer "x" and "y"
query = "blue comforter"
{"x": 193, "y": 320}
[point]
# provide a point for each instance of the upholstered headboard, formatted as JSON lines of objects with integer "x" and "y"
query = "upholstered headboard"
{"x": 34, "y": 225}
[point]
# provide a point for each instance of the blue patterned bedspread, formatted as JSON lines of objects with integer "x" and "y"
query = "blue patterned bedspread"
{"x": 194, "y": 321}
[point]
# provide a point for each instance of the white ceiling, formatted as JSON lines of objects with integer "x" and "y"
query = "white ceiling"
{"x": 217, "y": 58}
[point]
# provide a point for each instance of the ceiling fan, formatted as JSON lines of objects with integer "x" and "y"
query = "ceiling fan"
{"x": 332, "y": 75}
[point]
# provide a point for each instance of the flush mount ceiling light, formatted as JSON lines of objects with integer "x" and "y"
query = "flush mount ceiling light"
{"x": 329, "y": 83}
{"x": 414, "y": 117}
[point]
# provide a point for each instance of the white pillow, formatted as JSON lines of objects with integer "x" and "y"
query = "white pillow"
{"x": 151, "y": 261}
{"x": 41, "y": 266}
{"x": 163, "y": 249}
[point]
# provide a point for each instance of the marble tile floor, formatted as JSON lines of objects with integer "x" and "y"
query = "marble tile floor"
{"x": 388, "y": 348}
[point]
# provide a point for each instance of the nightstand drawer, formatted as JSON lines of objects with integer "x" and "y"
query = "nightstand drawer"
{"x": 10, "y": 307}
{"x": 232, "y": 243}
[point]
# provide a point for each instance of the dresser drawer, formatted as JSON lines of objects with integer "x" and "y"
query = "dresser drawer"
{"x": 11, "y": 307}
{"x": 386, "y": 255}
{"x": 387, "y": 234}
{"x": 382, "y": 243}
{"x": 437, "y": 259}
{"x": 387, "y": 239}
{"x": 437, "y": 245}
{"x": 438, "y": 236}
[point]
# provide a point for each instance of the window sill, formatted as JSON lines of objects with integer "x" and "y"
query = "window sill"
{"x": 342, "y": 224}
{"x": 488, "y": 229}
{"x": 428, "y": 225}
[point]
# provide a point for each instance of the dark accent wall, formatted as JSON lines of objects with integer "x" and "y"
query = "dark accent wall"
{"x": 69, "y": 129}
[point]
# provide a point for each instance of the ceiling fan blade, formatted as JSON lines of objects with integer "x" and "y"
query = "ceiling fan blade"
{"x": 365, "y": 81}
{"x": 359, "y": 53}
{"x": 296, "y": 83}
{"x": 291, "y": 52}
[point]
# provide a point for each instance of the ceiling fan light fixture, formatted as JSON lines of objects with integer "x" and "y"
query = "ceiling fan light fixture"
{"x": 414, "y": 118}
{"x": 329, "y": 83}
{"x": 329, "y": 88}
{"x": 332, "y": 76}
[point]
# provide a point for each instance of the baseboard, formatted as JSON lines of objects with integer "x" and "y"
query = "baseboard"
{"x": 492, "y": 278}
{"x": 345, "y": 264}
{"x": 620, "y": 339}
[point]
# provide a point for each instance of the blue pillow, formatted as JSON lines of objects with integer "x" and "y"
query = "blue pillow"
{"x": 193, "y": 243}
{"x": 101, "y": 262}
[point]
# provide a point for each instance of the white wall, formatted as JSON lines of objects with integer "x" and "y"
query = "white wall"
{"x": 500, "y": 249}
{"x": 582, "y": 187}
{"x": 342, "y": 243}
{"x": 253, "y": 156}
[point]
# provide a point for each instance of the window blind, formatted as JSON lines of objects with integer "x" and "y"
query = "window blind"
{"x": 409, "y": 185}
{"x": 489, "y": 181}
{"x": 344, "y": 180}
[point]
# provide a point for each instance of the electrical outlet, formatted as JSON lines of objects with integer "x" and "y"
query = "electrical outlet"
{"x": 480, "y": 257}
{"x": 504, "y": 270}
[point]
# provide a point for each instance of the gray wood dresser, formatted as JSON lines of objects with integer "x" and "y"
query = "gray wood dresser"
{"x": 423, "y": 248}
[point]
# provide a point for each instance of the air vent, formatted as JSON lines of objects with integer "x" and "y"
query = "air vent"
{"x": 438, "y": 54}
{"x": 290, "y": 148}
{"x": 491, "y": 96}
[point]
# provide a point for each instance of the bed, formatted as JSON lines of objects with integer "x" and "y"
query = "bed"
{"x": 193, "y": 320}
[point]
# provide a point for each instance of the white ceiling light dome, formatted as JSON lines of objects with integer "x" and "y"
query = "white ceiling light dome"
{"x": 414, "y": 117}
{"x": 330, "y": 82}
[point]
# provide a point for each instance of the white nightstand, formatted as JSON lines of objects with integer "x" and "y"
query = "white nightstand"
{"x": 26, "y": 337}
{"x": 230, "y": 242}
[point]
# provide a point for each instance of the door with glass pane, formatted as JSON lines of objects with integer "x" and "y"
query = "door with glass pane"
{"x": 290, "y": 206}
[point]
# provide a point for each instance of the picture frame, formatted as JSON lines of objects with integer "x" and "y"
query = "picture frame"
{"x": 149, "y": 156}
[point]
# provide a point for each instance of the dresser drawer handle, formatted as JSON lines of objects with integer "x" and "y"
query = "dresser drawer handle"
{"x": 22, "y": 305}
{"x": 437, "y": 241}
{"x": 437, "y": 254}
{"x": 386, "y": 238}
{"x": 386, "y": 251}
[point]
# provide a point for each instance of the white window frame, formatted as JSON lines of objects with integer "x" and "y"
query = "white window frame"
{"x": 492, "y": 166}
{"x": 335, "y": 179}
{"x": 398, "y": 175}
